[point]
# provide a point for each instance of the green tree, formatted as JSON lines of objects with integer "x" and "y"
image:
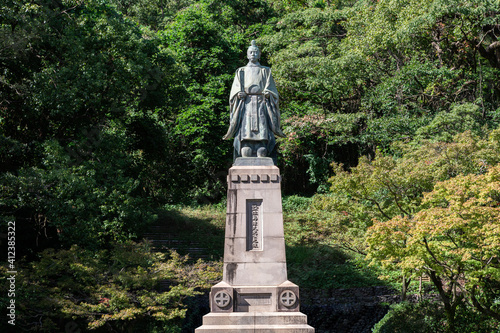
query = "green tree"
{"x": 209, "y": 38}
{"x": 366, "y": 74}
{"x": 154, "y": 14}
{"x": 69, "y": 66}
{"x": 389, "y": 187}
{"x": 80, "y": 82}
{"x": 454, "y": 240}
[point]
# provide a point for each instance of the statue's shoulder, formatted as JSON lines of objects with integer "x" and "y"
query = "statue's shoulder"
{"x": 266, "y": 70}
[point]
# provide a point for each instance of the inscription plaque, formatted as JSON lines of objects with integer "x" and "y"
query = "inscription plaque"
{"x": 254, "y": 225}
{"x": 253, "y": 300}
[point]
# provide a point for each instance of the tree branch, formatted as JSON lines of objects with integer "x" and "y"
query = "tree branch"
{"x": 434, "y": 256}
{"x": 394, "y": 194}
{"x": 482, "y": 309}
{"x": 378, "y": 206}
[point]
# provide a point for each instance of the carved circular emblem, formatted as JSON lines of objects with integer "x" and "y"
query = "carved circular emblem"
{"x": 222, "y": 299}
{"x": 288, "y": 298}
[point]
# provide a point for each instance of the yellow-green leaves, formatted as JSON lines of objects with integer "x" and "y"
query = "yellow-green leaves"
{"x": 119, "y": 288}
{"x": 456, "y": 237}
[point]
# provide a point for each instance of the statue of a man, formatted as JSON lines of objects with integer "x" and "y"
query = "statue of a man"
{"x": 255, "y": 114}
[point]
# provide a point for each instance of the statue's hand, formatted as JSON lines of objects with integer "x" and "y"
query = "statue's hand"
{"x": 267, "y": 94}
{"x": 242, "y": 95}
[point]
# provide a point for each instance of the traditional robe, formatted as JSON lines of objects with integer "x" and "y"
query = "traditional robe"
{"x": 255, "y": 118}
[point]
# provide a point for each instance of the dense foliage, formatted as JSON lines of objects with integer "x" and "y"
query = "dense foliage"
{"x": 454, "y": 239}
{"x": 431, "y": 211}
{"x": 115, "y": 290}
{"x": 112, "y": 109}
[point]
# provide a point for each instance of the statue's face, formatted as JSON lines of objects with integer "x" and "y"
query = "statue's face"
{"x": 253, "y": 54}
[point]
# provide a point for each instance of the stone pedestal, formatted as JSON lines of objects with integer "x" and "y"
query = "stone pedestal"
{"x": 254, "y": 294}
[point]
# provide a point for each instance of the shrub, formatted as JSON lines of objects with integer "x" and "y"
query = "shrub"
{"x": 122, "y": 289}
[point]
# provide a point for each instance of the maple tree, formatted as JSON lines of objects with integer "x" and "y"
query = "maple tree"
{"x": 387, "y": 186}
{"x": 455, "y": 240}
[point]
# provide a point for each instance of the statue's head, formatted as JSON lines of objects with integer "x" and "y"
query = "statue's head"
{"x": 253, "y": 52}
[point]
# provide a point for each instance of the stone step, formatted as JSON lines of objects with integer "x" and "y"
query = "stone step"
{"x": 255, "y": 329}
{"x": 255, "y": 318}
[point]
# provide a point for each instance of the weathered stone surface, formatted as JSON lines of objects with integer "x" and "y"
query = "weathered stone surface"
{"x": 237, "y": 251}
{"x": 254, "y": 294}
{"x": 255, "y": 329}
{"x": 253, "y": 161}
{"x": 254, "y": 252}
{"x": 256, "y": 299}
{"x": 273, "y": 227}
{"x": 255, "y": 322}
{"x": 259, "y": 273}
{"x": 222, "y": 298}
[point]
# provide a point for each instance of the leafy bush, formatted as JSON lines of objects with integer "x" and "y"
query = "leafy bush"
{"x": 117, "y": 289}
{"x": 389, "y": 186}
{"x": 89, "y": 203}
{"x": 445, "y": 125}
{"x": 296, "y": 204}
{"x": 410, "y": 318}
{"x": 428, "y": 317}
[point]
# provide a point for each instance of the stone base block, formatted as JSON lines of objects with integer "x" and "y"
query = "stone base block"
{"x": 255, "y": 322}
{"x": 282, "y": 298}
{"x": 256, "y": 329}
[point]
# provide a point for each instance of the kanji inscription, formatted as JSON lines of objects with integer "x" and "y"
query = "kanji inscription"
{"x": 254, "y": 225}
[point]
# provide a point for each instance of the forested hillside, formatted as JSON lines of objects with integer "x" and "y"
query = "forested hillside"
{"x": 112, "y": 114}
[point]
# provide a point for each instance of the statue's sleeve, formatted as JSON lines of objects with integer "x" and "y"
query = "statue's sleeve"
{"x": 234, "y": 106}
{"x": 236, "y": 87}
{"x": 273, "y": 104}
{"x": 270, "y": 85}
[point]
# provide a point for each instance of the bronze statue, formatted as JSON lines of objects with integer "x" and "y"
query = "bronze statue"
{"x": 254, "y": 105}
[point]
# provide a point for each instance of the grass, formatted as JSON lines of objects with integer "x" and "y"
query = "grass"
{"x": 312, "y": 260}
{"x": 202, "y": 226}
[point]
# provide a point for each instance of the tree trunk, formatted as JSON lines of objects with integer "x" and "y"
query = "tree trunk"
{"x": 450, "y": 305}
{"x": 404, "y": 288}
